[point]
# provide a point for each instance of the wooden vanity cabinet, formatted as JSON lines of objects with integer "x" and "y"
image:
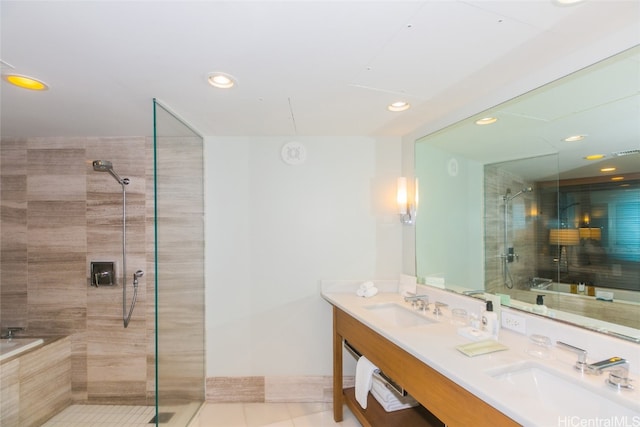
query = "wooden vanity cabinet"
{"x": 446, "y": 400}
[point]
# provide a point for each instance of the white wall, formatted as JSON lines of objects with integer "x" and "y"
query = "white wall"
{"x": 451, "y": 221}
{"x": 273, "y": 231}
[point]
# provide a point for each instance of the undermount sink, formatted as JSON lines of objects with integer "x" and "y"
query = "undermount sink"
{"x": 397, "y": 315}
{"x": 562, "y": 395}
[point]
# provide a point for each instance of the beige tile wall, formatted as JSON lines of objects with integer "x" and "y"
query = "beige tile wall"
{"x": 57, "y": 216}
{"x": 36, "y": 385}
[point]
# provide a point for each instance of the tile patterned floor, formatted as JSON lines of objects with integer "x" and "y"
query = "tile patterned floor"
{"x": 210, "y": 415}
{"x": 103, "y": 416}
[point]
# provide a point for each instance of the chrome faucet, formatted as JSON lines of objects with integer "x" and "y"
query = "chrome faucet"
{"x": 11, "y": 331}
{"x": 418, "y": 301}
{"x": 617, "y": 366}
{"x": 439, "y": 305}
{"x": 473, "y": 292}
{"x": 582, "y": 354}
{"x": 618, "y": 372}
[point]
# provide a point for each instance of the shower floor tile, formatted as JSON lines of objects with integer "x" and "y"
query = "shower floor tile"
{"x": 103, "y": 416}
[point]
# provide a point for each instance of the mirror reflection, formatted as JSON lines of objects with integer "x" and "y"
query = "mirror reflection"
{"x": 520, "y": 210}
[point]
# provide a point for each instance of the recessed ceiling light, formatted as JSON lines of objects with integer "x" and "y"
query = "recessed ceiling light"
{"x": 486, "y": 121}
{"x": 611, "y": 169}
{"x": 25, "y": 82}
{"x": 574, "y": 138}
{"x": 617, "y": 178}
{"x": 221, "y": 80}
{"x": 399, "y": 106}
{"x": 595, "y": 157}
{"x": 567, "y": 2}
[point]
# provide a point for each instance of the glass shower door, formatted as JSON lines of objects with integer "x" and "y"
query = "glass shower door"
{"x": 179, "y": 274}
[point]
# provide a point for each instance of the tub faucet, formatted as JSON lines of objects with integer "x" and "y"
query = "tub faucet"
{"x": 11, "y": 331}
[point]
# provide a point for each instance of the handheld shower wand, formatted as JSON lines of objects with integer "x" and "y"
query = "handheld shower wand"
{"x": 107, "y": 166}
{"x": 138, "y": 274}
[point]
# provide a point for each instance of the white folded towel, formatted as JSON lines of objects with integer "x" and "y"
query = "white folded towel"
{"x": 381, "y": 390}
{"x": 364, "y": 379}
{"x": 388, "y": 399}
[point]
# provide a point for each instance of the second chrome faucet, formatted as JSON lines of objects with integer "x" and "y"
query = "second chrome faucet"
{"x": 617, "y": 366}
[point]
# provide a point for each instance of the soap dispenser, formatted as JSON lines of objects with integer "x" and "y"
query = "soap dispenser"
{"x": 490, "y": 322}
{"x": 540, "y": 308}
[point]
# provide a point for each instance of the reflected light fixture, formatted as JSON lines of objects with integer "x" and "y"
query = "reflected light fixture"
{"x": 398, "y": 106}
{"x": 617, "y": 178}
{"x": 407, "y": 209}
{"x": 25, "y": 82}
{"x": 486, "y": 121}
{"x": 221, "y": 80}
{"x": 594, "y": 157}
{"x": 611, "y": 169}
{"x": 564, "y": 238}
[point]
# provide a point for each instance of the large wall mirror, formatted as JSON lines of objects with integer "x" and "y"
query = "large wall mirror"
{"x": 520, "y": 209}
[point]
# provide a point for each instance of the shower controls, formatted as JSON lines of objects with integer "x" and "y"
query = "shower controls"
{"x": 102, "y": 274}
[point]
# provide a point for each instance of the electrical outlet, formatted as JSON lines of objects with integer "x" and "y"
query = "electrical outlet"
{"x": 514, "y": 322}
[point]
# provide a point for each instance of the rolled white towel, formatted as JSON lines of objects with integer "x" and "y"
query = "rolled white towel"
{"x": 370, "y": 292}
{"x": 367, "y": 285}
{"x": 367, "y": 292}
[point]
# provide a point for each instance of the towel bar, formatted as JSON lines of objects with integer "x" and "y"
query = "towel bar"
{"x": 388, "y": 382}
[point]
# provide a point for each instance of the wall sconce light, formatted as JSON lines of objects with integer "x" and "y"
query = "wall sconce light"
{"x": 407, "y": 209}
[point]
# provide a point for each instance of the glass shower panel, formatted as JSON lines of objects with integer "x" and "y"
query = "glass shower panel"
{"x": 179, "y": 276}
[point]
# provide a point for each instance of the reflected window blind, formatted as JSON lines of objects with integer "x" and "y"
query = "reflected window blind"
{"x": 628, "y": 229}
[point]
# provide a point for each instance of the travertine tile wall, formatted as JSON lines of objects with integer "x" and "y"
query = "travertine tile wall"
{"x": 57, "y": 216}
{"x": 36, "y": 385}
{"x": 273, "y": 389}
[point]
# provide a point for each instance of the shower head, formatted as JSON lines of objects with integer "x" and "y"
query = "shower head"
{"x": 507, "y": 197}
{"x": 102, "y": 165}
{"x": 107, "y": 166}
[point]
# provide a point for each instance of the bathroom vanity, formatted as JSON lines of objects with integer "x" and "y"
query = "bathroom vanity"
{"x": 445, "y": 401}
{"x": 502, "y": 388}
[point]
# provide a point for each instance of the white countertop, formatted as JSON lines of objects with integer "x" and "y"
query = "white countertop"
{"x": 434, "y": 344}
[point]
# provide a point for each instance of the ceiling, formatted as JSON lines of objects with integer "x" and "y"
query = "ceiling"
{"x": 600, "y": 102}
{"x": 302, "y": 67}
